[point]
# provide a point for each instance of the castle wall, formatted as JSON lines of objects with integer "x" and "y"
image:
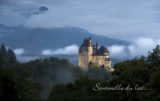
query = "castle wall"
{"x": 85, "y": 57}
{"x": 83, "y": 60}
{"x": 90, "y": 52}
{"x": 100, "y": 60}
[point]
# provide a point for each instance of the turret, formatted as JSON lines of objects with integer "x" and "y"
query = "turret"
{"x": 90, "y": 46}
{"x": 96, "y": 45}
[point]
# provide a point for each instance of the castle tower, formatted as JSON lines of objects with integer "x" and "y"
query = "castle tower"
{"x": 85, "y": 53}
{"x": 89, "y": 53}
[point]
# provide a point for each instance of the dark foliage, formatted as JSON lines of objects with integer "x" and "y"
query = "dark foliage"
{"x": 7, "y": 56}
{"x": 154, "y": 57}
{"x": 32, "y": 81}
{"x": 139, "y": 74}
{"x": 15, "y": 86}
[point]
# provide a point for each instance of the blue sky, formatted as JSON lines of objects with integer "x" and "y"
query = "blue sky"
{"x": 121, "y": 19}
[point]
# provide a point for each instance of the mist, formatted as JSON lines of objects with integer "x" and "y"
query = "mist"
{"x": 68, "y": 50}
{"x": 139, "y": 47}
{"x": 19, "y": 51}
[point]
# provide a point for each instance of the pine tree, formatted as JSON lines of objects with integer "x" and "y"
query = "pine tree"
{"x": 1, "y": 62}
{"x": 3, "y": 50}
{"x": 7, "y": 56}
{"x": 3, "y": 53}
{"x": 11, "y": 57}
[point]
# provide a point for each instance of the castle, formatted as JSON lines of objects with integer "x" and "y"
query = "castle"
{"x": 90, "y": 53}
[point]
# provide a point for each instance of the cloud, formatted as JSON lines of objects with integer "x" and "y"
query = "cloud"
{"x": 2, "y": 1}
{"x": 41, "y": 10}
{"x": 72, "y": 49}
{"x": 140, "y": 46}
{"x": 117, "y": 51}
{"x": 113, "y": 18}
{"x": 47, "y": 52}
{"x": 21, "y": 58}
{"x": 19, "y": 51}
{"x": 16, "y": 12}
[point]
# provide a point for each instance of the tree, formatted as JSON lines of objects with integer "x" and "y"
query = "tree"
{"x": 154, "y": 87}
{"x": 153, "y": 58}
{"x": 7, "y": 56}
{"x": 11, "y": 57}
{"x": 17, "y": 87}
{"x": 3, "y": 52}
{"x": 133, "y": 72}
{"x": 8, "y": 91}
{"x": 80, "y": 90}
{"x": 3, "y": 49}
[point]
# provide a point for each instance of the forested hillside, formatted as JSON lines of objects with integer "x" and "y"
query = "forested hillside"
{"x": 54, "y": 79}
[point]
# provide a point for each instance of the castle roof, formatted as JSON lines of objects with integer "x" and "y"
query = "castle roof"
{"x": 101, "y": 51}
{"x": 97, "y": 52}
{"x": 86, "y": 42}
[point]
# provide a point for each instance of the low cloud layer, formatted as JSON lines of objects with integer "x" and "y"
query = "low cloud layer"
{"x": 71, "y": 49}
{"x": 140, "y": 47}
{"x": 117, "y": 51}
{"x": 19, "y": 51}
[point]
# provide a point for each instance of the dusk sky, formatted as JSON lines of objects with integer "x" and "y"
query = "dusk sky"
{"x": 121, "y": 19}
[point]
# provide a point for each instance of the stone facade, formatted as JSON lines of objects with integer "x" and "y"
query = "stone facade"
{"x": 89, "y": 53}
